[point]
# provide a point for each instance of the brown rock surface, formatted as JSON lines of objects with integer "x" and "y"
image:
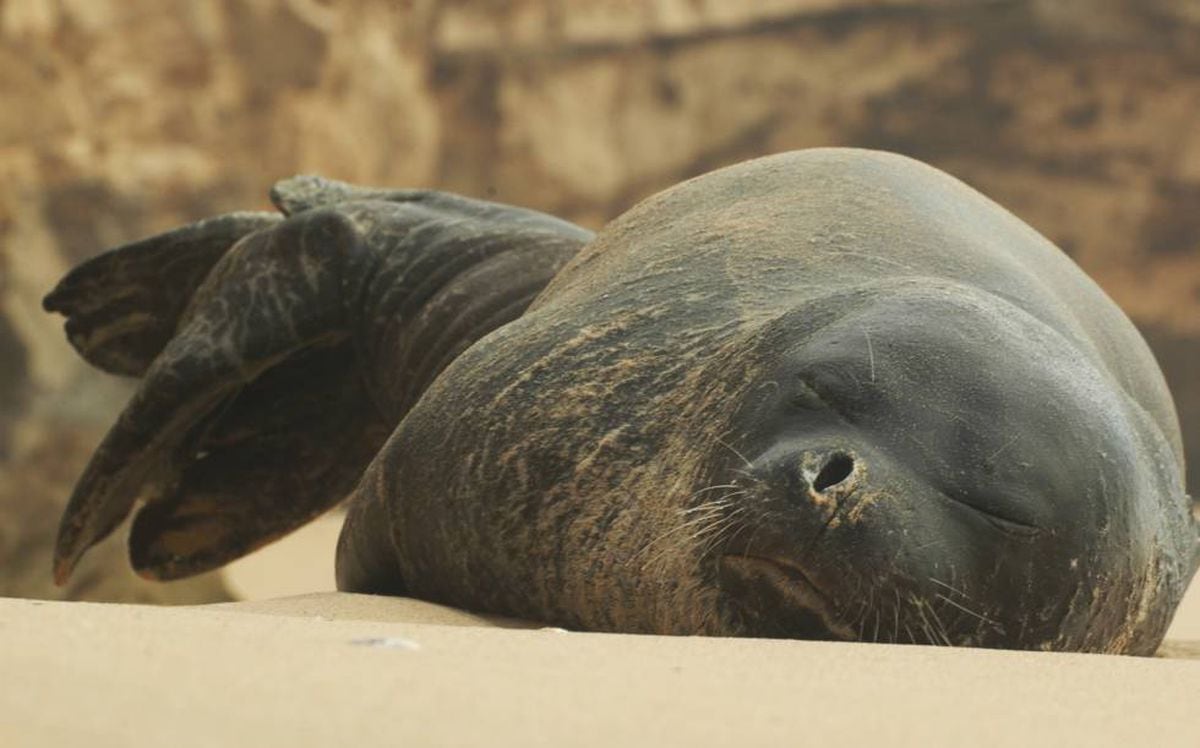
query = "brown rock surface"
{"x": 125, "y": 117}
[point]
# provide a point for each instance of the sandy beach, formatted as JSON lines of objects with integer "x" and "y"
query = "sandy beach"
{"x": 125, "y": 119}
{"x": 340, "y": 669}
{"x": 328, "y": 668}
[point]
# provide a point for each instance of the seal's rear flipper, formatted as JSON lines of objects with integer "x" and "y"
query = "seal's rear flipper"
{"x": 123, "y": 306}
{"x": 274, "y": 370}
{"x": 280, "y": 452}
{"x": 250, "y": 421}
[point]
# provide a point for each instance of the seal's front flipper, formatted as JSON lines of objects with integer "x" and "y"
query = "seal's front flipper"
{"x": 123, "y": 306}
{"x": 250, "y": 421}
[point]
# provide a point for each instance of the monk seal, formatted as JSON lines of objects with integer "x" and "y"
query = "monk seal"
{"x": 831, "y": 394}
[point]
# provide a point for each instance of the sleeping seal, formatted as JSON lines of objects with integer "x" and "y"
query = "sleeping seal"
{"x": 829, "y": 394}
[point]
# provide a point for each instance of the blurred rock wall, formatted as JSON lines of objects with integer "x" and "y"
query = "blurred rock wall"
{"x": 119, "y": 118}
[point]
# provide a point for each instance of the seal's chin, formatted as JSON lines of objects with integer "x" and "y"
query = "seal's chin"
{"x": 775, "y": 598}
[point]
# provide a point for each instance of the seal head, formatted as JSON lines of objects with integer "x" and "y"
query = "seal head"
{"x": 905, "y": 482}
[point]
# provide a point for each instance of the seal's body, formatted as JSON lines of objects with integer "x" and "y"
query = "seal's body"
{"x": 825, "y": 394}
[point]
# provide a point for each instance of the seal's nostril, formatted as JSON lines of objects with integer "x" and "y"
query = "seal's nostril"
{"x": 836, "y": 470}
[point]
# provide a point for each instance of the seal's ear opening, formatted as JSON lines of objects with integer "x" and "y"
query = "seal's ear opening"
{"x": 258, "y": 385}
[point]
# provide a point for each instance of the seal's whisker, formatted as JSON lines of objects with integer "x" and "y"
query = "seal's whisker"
{"x": 712, "y": 488}
{"x": 716, "y": 505}
{"x": 758, "y": 526}
{"x": 714, "y": 533}
{"x": 697, "y": 525}
{"x": 967, "y": 610}
{"x": 713, "y": 505}
{"x": 746, "y": 474}
{"x": 719, "y": 522}
{"x": 705, "y": 508}
{"x": 1006, "y": 445}
{"x": 930, "y": 544}
{"x": 739, "y": 455}
{"x": 729, "y": 522}
{"x": 940, "y": 583}
{"x": 921, "y": 607}
{"x": 939, "y": 626}
{"x": 713, "y": 515}
{"x": 870, "y": 351}
{"x": 741, "y": 527}
{"x": 896, "y": 615}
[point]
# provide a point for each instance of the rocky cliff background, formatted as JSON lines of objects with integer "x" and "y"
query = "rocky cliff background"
{"x": 120, "y": 118}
